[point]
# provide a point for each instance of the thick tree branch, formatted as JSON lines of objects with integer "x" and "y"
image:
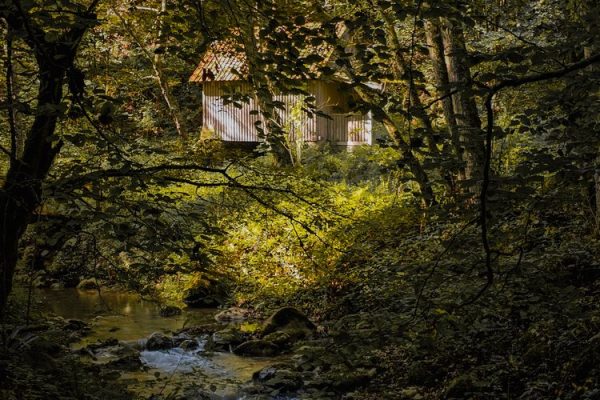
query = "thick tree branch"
{"x": 489, "y": 139}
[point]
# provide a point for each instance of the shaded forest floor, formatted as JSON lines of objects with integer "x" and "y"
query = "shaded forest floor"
{"x": 394, "y": 294}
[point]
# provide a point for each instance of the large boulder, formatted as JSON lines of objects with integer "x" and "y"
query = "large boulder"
{"x": 288, "y": 319}
{"x": 159, "y": 341}
{"x": 210, "y": 294}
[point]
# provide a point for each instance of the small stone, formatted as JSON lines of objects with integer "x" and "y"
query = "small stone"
{"x": 264, "y": 374}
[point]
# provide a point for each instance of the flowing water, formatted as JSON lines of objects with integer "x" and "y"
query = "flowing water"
{"x": 129, "y": 319}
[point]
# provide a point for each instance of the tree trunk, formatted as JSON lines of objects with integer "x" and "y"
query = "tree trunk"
{"x": 11, "y": 97}
{"x": 413, "y": 163}
{"x": 399, "y": 67}
{"x": 440, "y": 75}
{"x": 465, "y": 108}
{"x": 22, "y": 190}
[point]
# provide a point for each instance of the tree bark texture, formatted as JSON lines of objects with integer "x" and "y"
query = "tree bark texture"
{"x": 463, "y": 99}
{"x": 400, "y": 68}
{"x": 442, "y": 84}
{"x": 22, "y": 191}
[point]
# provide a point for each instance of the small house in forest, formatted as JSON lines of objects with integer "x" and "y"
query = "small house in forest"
{"x": 220, "y": 73}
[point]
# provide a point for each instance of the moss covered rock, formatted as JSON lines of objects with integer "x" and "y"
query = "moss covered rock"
{"x": 288, "y": 319}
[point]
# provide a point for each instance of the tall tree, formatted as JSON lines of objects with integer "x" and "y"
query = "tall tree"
{"x": 54, "y": 40}
{"x": 463, "y": 100}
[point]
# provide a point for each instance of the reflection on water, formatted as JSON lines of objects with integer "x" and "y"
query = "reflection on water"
{"x": 128, "y": 318}
{"x": 115, "y": 314}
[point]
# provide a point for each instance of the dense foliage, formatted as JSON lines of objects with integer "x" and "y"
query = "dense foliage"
{"x": 457, "y": 256}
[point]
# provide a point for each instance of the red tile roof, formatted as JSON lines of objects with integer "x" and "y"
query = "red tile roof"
{"x": 222, "y": 62}
{"x": 226, "y": 61}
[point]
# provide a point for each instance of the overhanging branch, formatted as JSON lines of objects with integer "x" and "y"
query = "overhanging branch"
{"x": 489, "y": 139}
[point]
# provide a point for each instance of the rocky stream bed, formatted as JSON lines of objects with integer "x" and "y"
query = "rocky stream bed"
{"x": 197, "y": 354}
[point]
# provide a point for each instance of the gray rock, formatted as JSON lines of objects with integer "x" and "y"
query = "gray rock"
{"x": 264, "y": 374}
{"x": 159, "y": 341}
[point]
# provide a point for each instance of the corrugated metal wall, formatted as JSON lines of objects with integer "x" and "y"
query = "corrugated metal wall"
{"x": 228, "y": 122}
{"x": 349, "y": 129}
{"x": 235, "y": 122}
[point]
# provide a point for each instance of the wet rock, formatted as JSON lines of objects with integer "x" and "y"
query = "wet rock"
{"x": 189, "y": 345}
{"x": 159, "y": 341}
{"x": 169, "y": 311}
{"x": 76, "y": 325}
{"x": 103, "y": 343}
{"x": 257, "y": 348}
{"x": 264, "y": 374}
{"x": 180, "y": 338}
{"x": 225, "y": 339}
{"x": 208, "y": 295}
{"x": 288, "y": 318}
{"x": 233, "y": 314}
{"x": 87, "y": 284}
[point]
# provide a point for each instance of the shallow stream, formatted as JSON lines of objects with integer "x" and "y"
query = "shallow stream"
{"x": 130, "y": 320}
